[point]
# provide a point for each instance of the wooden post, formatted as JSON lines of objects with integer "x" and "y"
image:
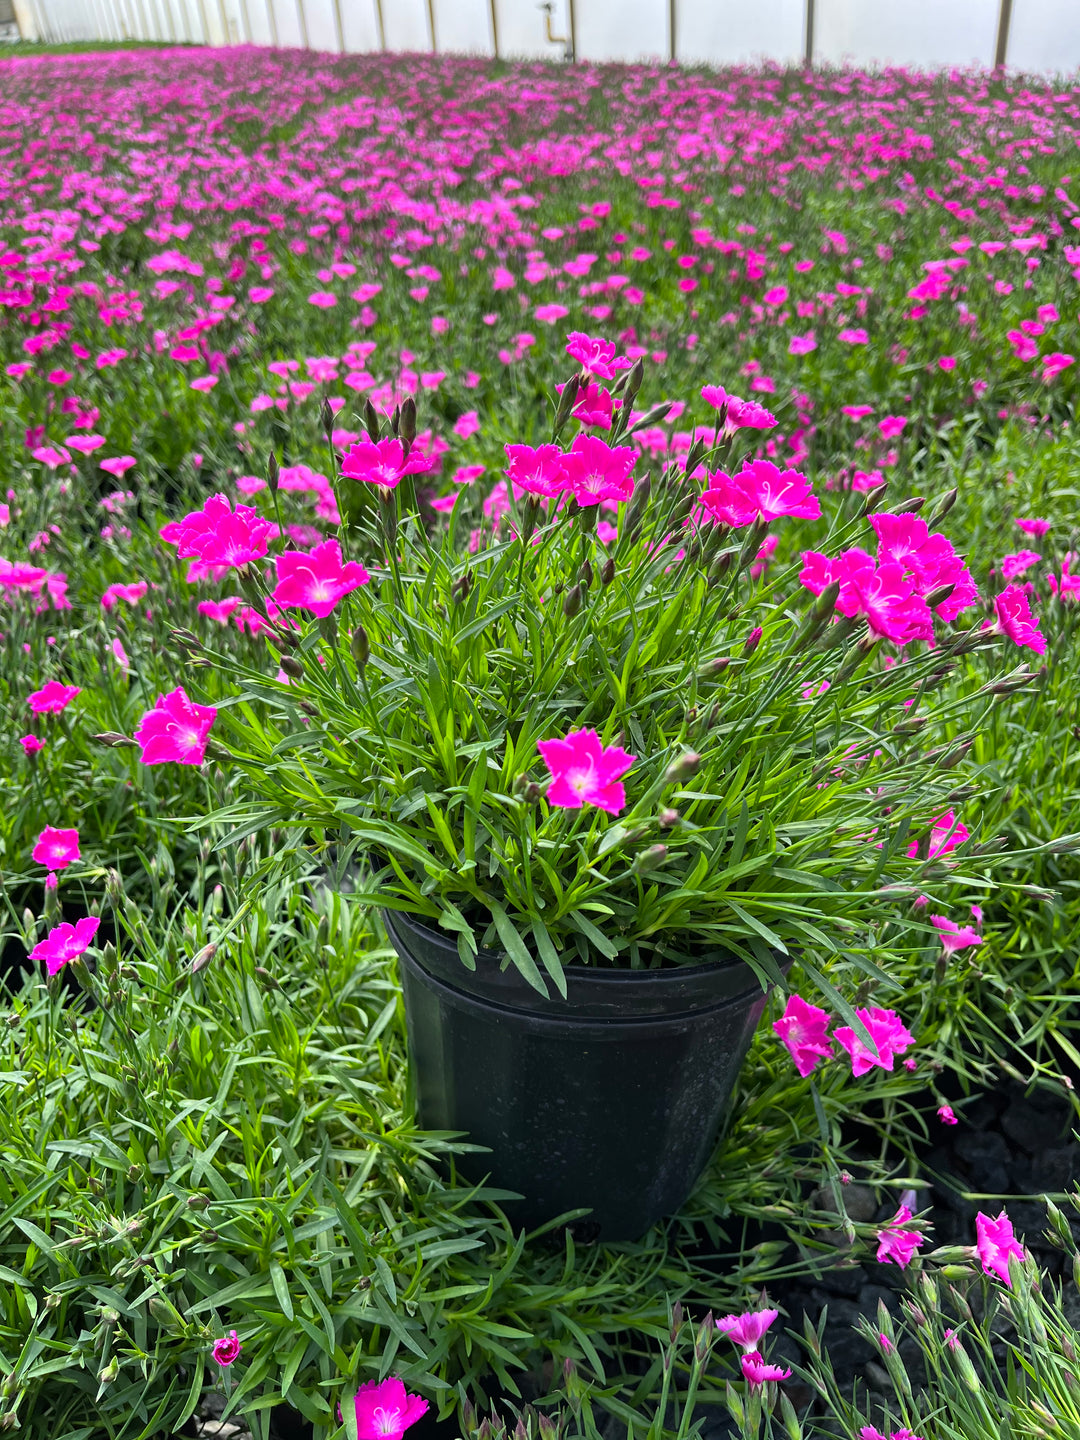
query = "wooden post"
{"x": 302, "y": 14}
{"x": 1001, "y": 49}
{"x": 809, "y": 57}
{"x": 495, "y": 28}
{"x": 382, "y": 24}
{"x": 573, "y": 31}
{"x": 431, "y": 24}
{"x": 339, "y": 27}
{"x": 672, "y": 34}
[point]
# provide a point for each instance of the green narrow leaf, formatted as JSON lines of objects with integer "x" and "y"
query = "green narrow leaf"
{"x": 515, "y": 947}
{"x": 549, "y": 956}
{"x": 281, "y": 1289}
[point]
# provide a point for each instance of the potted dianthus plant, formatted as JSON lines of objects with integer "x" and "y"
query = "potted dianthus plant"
{"x": 614, "y": 739}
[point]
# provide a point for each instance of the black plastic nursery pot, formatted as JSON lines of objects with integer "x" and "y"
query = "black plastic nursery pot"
{"x": 612, "y": 1098}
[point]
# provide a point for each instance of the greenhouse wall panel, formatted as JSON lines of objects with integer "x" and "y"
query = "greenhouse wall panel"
{"x": 633, "y": 30}
{"x": 463, "y": 26}
{"x": 906, "y": 32}
{"x": 523, "y": 30}
{"x": 736, "y": 34}
{"x": 1045, "y": 35}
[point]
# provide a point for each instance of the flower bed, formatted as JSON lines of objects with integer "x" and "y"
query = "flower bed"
{"x": 619, "y": 518}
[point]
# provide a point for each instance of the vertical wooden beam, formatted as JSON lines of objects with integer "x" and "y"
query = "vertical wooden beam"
{"x": 573, "y": 31}
{"x": 431, "y": 24}
{"x": 1001, "y": 49}
{"x": 382, "y": 24}
{"x": 302, "y": 15}
{"x": 672, "y": 31}
{"x": 809, "y": 56}
{"x": 495, "y": 28}
{"x": 339, "y": 27}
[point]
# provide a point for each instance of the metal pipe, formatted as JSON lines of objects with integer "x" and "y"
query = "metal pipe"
{"x": 1001, "y": 49}
{"x": 672, "y": 34}
{"x": 431, "y": 23}
{"x": 809, "y": 56}
{"x": 382, "y": 24}
{"x": 495, "y": 28}
{"x": 573, "y": 32}
{"x": 302, "y": 16}
{"x": 339, "y": 27}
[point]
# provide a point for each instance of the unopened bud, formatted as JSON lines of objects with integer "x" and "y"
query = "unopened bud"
{"x": 265, "y": 979}
{"x": 292, "y": 667}
{"x": 682, "y": 767}
{"x": 567, "y": 400}
{"x": 651, "y": 417}
{"x": 273, "y": 474}
{"x": 572, "y": 601}
{"x": 607, "y": 571}
{"x": 109, "y": 1374}
{"x": 532, "y": 793}
{"x": 459, "y": 590}
{"x": 326, "y": 417}
{"x": 198, "y": 1202}
{"x": 753, "y": 640}
{"x": 585, "y": 574}
{"x": 633, "y": 383}
{"x": 668, "y": 817}
{"x": 650, "y": 858}
{"x": 371, "y": 421}
{"x": 912, "y": 506}
{"x": 395, "y": 422}
{"x": 114, "y": 740}
{"x": 407, "y": 420}
{"x": 939, "y": 596}
{"x": 360, "y": 647}
{"x": 942, "y": 508}
{"x": 635, "y": 510}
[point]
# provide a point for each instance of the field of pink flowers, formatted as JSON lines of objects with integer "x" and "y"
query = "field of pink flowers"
{"x": 274, "y": 326}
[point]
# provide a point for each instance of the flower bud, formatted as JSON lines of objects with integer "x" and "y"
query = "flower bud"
{"x": 585, "y": 574}
{"x": 165, "y": 1313}
{"x": 114, "y": 740}
{"x": 370, "y": 417}
{"x": 649, "y": 858}
{"x": 532, "y": 793}
{"x": 292, "y": 667}
{"x": 912, "y": 506}
{"x": 273, "y": 474}
{"x": 668, "y": 817}
{"x": 566, "y": 404}
{"x": 360, "y": 647}
{"x": 395, "y": 422}
{"x": 109, "y": 1374}
{"x": 753, "y": 640}
{"x": 607, "y": 571}
{"x": 459, "y": 590}
{"x": 939, "y": 596}
{"x": 198, "y": 1202}
{"x": 572, "y": 602}
{"x": 635, "y": 510}
{"x": 326, "y": 418}
{"x": 873, "y": 499}
{"x": 265, "y": 979}
{"x": 693, "y": 457}
{"x": 407, "y": 420}
{"x": 203, "y": 958}
{"x": 942, "y": 508}
{"x": 682, "y": 767}
{"x": 651, "y": 417}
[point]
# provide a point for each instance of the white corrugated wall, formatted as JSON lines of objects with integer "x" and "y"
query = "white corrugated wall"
{"x": 1034, "y": 35}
